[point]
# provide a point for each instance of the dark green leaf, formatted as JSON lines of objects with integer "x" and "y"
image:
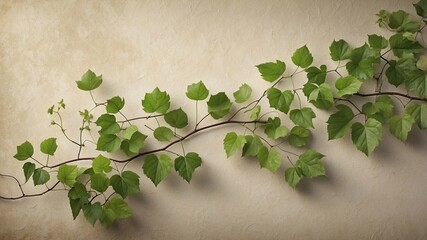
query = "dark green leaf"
{"x": 186, "y": 166}
{"x": 401, "y": 22}
{"x": 108, "y": 142}
{"x": 219, "y": 105}
{"x": 292, "y": 176}
{"x": 28, "y": 170}
{"x": 177, "y": 118}
{"x": 421, "y": 8}
{"x": 299, "y": 136}
{"x": 125, "y": 184}
{"x": 280, "y": 100}
{"x": 376, "y": 41}
{"x": 252, "y": 146}
{"x": 156, "y": 101}
{"x": 78, "y": 196}
{"x": 362, "y": 60}
{"x": 319, "y": 95}
{"x": 197, "y": 91}
{"x": 400, "y": 126}
{"x": 316, "y": 75}
{"x": 269, "y": 159}
{"x": 340, "y": 50}
{"x": 136, "y": 142}
{"x": 302, "y": 117}
{"x": 302, "y": 57}
{"x": 40, "y": 176}
{"x": 115, "y": 104}
{"x": 243, "y": 94}
{"x": 92, "y": 212}
{"x": 115, "y": 208}
{"x": 49, "y": 146}
{"x": 418, "y": 113}
{"x": 399, "y": 72}
{"x": 274, "y": 128}
{"x": 402, "y": 45}
{"x": 89, "y": 81}
{"x": 124, "y": 146}
{"x": 157, "y": 169}
{"x": 271, "y": 71}
{"x": 310, "y": 164}
{"x": 339, "y": 123}
{"x": 99, "y": 182}
{"x": 347, "y": 86}
{"x": 163, "y": 134}
{"x": 233, "y": 143}
{"x": 367, "y": 137}
{"x": 24, "y": 151}
{"x": 108, "y": 124}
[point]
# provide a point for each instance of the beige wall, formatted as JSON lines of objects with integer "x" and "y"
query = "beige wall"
{"x": 46, "y": 45}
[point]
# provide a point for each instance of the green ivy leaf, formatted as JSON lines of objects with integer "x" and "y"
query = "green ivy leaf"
{"x": 197, "y": 91}
{"x": 339, "y": 123}
{"x": 298, "y": 136}
{"x": 100, "y": 182}
{"x": 418, "y": 113}
{"x": 157, "y": 169}
{"x": 115, "y": 104}
{"x": 380, "y": 110}
{"x": 40, "y": 176}
{"x": 271, "y": 71}
{"x": 49, "y": 146}
{"x": 362, "y": 60}
{"x": 108, "y": 124}
{"x": 243, "y": 94}
{"x": 401, "y": 22}
{"x": 340, "y": 50}
{"x": 24, "y": 151}
{"x": 310, "y": 164}
{"x": 89, "y": 81}
{"x": 417, "y": 81}
{"x": 124, "y": 146}
{"x": 400, "y": 126}
{"x": 316, "y": 75}
{"x": 270, "y": 160}
{"x": 219, "y": 105}
{"x": 28, "y": 170}
{"x": 421, "y": 8}
{"x": 129, "y": 131}
{"x": 252, "y": 146}
{"x": 292, "y": 176}
{"x": 125, "y": 184}
{"x": 398, "y": 72}
{"x": 376, "y": 41}
{"x": 319, "y": 95}
{"x": 156, "y": 101}
{"x": 176, "y": 118}
{"x": 108, "y": 142}
{"x": 136, "y": 142}
{"x": 115, "y": 208}
{"x": 347, "y": 86}
{"x": 303, "y": 117}
{"x": 78, "y": 197}
{"x": 402, "y": 45}
{"x": 274, "y": 130}
{"x": 280, "y": 100}
{"x": 163, "y": 134}
{"x": 186, "y": 165}
{"x": 302, "y": 57}
{"x": 67, "y": 174}
{"x": 92, "y": 212}
{"x": 101, "y": 164}
{"x": 255, "y": 113}
{"x": 422, "y": 63}
{"x": 367, "y": 137}
{"x": 233, "y": 143}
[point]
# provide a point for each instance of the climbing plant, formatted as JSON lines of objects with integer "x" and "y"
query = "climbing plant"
{"x": 269, "y": 135}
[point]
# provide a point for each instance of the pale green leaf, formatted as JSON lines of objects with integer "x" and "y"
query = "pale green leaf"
{"x": 243, "y": 94}
{"x": 101, "y": 164}
{"x": 367, "y": 137}
{"x": 422, "y": 63}
{"x": 400, "y": 126}
{"x": 108, "y": 124}
{"x": 49, "y": 146}
{"x": 302, "y": 117}
{"x": 233, "y": 143}
{"x": 271, "y": 71}
{"x": 269, "y": 159}
{"x": 362, "y": 60}
{"x": 156, "y": 102}
{"x": 67, "y": 174}
{"x": 163, "y": 134}
{"x": 347, "y": 85}
{"x": 340, "y": 50}
{"x": 252, "y": 146}
{"x": 89, "y": 81}
{"x": 302, "y": 57}
{"x": 197, "y": 91}
{"x": 310, "y": 164}
{"x": 418, "y": 113}
{"x": 129, "y": 131}
{"x": 274, "y": 128}
{"x": 292, "y": 176}
{"x": 255, "y": 113}
{"x": 299, "y": 136}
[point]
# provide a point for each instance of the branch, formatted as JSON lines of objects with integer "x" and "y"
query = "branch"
{"x": 390, "y": 93}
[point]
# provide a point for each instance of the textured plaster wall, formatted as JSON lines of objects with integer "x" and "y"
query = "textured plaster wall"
{"x": 46, "y": 45}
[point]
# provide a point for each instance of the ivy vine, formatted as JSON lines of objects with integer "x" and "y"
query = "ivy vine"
{"x": 99, "y": 191}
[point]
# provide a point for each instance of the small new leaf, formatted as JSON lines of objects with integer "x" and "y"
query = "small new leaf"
{"x": 271, "y": 71}
{"x": 24, "y": 151}
{"x": 197, "y": 91}
{"x": 49, "y": 146}
{"x": 89, "y": 81}
{"x": 302, "y": 57}
{"x": 243, "y": 94}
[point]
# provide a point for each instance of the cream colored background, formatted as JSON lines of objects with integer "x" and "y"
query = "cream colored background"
{"x": 137, "y": 45}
